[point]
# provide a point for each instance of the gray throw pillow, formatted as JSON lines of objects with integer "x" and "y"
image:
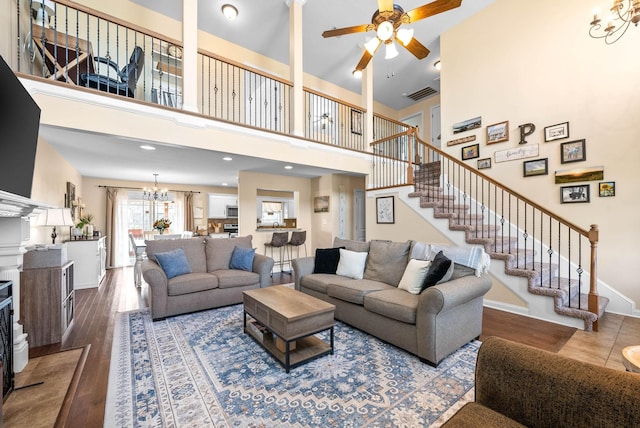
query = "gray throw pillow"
{"x": 387, "y": 261}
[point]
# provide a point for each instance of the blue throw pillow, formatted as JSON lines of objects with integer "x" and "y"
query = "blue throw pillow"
{"x": 173, "y": 262}
{"x": 242, "y": 258}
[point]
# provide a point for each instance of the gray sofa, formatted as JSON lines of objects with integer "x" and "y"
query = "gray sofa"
{"x": 210, "y": 284}
{"x": 517, "y": 386}
{"x": 431, "y": 324}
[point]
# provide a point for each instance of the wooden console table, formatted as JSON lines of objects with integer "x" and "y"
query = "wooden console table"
{"x": 63, "y": 61}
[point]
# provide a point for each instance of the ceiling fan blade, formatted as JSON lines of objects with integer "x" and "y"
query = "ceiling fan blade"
{"x": 416, "y": 48}
{"x": 366, "y": 57}
{"x": 432, "y": 8}
{"x": 385, "y": 5}
{"x": 347, "y": 30}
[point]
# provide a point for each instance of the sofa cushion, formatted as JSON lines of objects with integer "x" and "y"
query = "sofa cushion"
{"x": 440, "y": 270}
{"x": 359, "y": 246}
{"x": 420, "y": 250}
{"x": 413, "y": 276}
{"x": 191, "y": 283}
{"x": 387, "y": 261}
{"x": 354, "y": 291}
{"x": 193, "y": 249}
{"x": 393, "y": 303}
{"x": 474, "y": 415}
{"x": 351, "y": 264}
{"x": 319, "y": 281}
{"x": 229, "y": 278}
{"x": 242, "y": 258}
{"x": 218, "y": 251}
{"x": 326, "y": 260}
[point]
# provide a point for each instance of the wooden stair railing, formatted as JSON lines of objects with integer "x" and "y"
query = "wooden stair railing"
{"x": 510, "y": 226}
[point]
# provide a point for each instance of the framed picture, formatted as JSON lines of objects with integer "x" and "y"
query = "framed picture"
{"x": 471, "y": 152}
{"x": 573, "y": 151}
{"x": 607, "y": 188}
{"x": 321, "y": 204}
{"x": 70, "y": 196}
{"x": 356, "y": 122}
{"x": 574, "y": 194}
{"x": 467, "y": 125}
{"x": 592, "y": 173}
{"x": 384, "y": 210}
{"x": 484, "y": 163}
{"x": 498, "y": 132}
{"x": 556, "y": 132}
{"x": 535, "y": 167}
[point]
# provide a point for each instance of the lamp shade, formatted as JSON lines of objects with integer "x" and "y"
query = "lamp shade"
{"x": 55, "y": 217}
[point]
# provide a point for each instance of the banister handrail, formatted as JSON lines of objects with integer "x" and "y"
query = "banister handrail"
{"x": 337, "y": 100}
{"x": 212, "y": 55}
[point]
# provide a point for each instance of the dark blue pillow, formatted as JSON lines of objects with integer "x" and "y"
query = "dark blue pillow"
{"x": 242, "y": 258}
{"x": 174, "y": 262}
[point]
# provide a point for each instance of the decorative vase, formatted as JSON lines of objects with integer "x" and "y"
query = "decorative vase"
{"x": 89, "y": 230}
{"x": 161, "y": 231}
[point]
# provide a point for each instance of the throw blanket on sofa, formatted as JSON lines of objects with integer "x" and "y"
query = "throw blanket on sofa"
{"x": 474, "y": 257}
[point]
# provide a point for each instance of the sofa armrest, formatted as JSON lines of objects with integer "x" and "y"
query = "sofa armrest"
{"x": 301, "y": 267}
{"x": 158, "y": 283}
{"x": 262, "y": 265}
{"x": 528, "y": 384}
{"x": 450, "y": 294}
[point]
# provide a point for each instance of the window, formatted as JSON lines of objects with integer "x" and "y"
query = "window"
{"x": 273, "y": 213}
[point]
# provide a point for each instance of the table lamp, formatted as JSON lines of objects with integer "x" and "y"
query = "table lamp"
{"x": 55, "y": 217}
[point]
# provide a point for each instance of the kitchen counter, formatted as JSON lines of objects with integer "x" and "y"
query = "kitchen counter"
{"x": 278, "y": 229}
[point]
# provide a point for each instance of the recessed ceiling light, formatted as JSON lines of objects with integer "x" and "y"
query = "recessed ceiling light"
{"x": 147, "y": 147}
{"x": 437, "y": 65}
{"x": 227, "y": 158}
{"x": 229, "y": 11}
{"x": 288, "y": 167}
{"x": 225, "y": 184}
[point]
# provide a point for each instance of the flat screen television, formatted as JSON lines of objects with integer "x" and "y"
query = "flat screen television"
{"x": 19, "y": 123}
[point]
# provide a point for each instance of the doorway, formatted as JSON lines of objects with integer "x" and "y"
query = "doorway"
{"x": 359, "y": 215}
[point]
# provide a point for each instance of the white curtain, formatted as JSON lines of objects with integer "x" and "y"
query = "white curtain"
{"x": 121, "y": 238}
{"x": 178, "y": 225}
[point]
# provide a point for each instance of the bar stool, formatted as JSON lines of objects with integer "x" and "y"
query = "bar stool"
{"x": 278, "y": 240}
{"x": 297, "y": 239}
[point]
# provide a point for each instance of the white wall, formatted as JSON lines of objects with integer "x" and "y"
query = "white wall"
{"x": 526, "y": 61}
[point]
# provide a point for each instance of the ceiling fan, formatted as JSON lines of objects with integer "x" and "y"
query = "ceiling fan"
{"x": 386, "y": 22}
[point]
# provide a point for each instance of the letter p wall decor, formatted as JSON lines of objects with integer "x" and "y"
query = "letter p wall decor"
{"x": 526, "y": 130}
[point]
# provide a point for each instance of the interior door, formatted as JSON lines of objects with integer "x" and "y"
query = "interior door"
{"x": 359, "y": 216}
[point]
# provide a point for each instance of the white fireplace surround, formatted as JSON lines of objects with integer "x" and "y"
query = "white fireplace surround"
{"x": 16, "y": 213}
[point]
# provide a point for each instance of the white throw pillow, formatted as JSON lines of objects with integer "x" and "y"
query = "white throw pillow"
{"x": 351, "y": 264}
{"x": 413, "y": 276}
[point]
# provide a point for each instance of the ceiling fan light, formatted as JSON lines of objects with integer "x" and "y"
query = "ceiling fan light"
{"x": 372, "y": 45}
{"x": 391, "y": 51}
{"x": 229, "y": 11}
{"x": 405, "y": 35}
{"x": 385, "y": 30}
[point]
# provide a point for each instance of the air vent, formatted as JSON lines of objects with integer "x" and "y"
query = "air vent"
{"x": 422, "y": 93}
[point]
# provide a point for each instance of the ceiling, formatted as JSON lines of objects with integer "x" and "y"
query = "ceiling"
{"x": 263, "y": 26}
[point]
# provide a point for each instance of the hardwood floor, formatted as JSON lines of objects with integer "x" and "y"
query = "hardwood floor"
{"x": 95, "y": 317}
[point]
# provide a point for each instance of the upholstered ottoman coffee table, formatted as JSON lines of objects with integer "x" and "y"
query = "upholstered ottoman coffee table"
{"x": 289, "y": 317}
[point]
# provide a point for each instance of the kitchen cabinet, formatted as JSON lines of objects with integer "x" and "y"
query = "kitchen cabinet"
{"x": 90, "y": 258}
{"x": 218, "y": 204}
{"x": 47, "y": 303}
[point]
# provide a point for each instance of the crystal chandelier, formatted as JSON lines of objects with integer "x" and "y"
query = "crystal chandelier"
{"x": 155, "y": 193}
{"x": 623, "y": 13}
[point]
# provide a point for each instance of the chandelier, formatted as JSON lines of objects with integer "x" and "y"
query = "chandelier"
{"x": 623, "y": 13}
{"x": 155, "y": 193}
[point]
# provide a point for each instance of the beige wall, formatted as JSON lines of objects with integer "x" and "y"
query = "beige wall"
{"x": 50, "y": 175}
{"x": 526, "y": 61}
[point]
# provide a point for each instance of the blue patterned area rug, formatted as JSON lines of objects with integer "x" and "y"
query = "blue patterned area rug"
{"x": 201, "y": 370}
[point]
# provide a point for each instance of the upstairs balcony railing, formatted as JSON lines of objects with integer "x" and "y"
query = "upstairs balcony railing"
{"x": 67, "y": 42}
{"x": 557, "y": 253}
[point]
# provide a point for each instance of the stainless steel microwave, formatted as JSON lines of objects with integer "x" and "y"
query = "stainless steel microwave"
{"x": 232, "y": 211}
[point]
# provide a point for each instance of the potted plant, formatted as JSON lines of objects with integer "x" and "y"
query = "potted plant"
{"x": 85, "y": 224}
{"x": 161, "y": 224}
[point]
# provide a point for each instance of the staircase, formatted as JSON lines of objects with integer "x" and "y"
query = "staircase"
{"x": 511, "y": 239}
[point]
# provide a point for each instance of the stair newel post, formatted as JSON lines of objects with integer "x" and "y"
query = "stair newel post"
{"x": 593, "y": 279}
{"x": 410, "y": 142}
